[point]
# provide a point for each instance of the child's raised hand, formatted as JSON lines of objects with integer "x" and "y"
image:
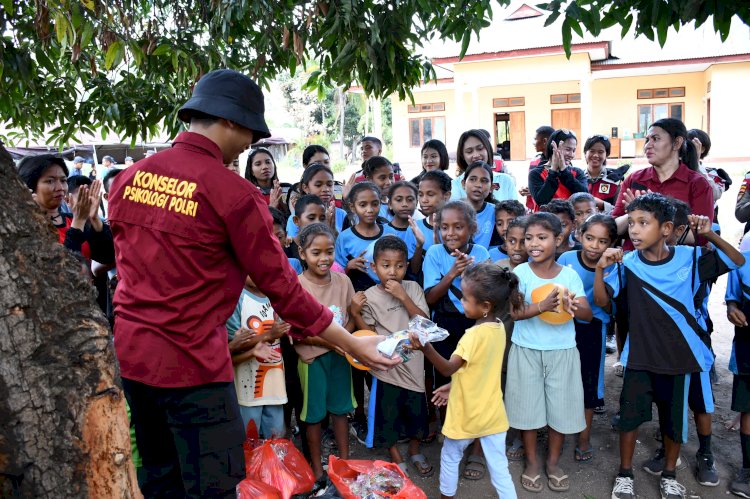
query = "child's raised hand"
{"x": 265, "y": 353}
{"x": 418, "y": 235}
{"x": 629, "y": 195}
{"x": 358, "y": 301}
{"x": 462, "y": 261}
{"x": 440, "y": 395}
{"x": 551, "y": 302}
{"x": 610, "y": 256}
{"x": 358, "y": 263}
{"x": 700, "y": 224}
{"x": 570, "y": 304}
{"x": 736, "y": 316}
{"x": 395, "y": 289}
{"x": 331, "y": 214}
{"x": 278, "y": 330}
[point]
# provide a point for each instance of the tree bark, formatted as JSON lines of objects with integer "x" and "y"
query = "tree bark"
{"x": 63, "y": 426}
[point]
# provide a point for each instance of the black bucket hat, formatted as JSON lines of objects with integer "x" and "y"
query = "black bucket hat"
{"x": 227, "y": 94}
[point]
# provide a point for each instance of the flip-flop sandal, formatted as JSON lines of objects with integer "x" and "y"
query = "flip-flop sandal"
{"x": 584, "y": 456}
{"x": 531, "y": 484}
{"x": 516, "y": 452}
{"x": 475, "y": 464}
{"x": 558, "y": 483}
{"x": 424, "y": 469}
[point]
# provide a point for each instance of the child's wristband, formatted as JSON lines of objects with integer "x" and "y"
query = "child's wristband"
{"x": 539, "y": 306}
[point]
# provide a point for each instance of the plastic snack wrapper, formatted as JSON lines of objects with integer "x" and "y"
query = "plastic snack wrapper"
{"x": 355, "y": 479}
{"x": 398, "y": 343}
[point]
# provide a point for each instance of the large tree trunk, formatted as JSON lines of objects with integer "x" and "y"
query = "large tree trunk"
{"x": 63, "y": 425}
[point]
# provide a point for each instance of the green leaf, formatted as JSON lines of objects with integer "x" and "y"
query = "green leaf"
{"x": 576, "y": 27}
{"x": 573, "y": 11}
{"x": 87, "y": 35}
{"x": 61, "y": 29}
{"x": 626, "y": 23}
{"x": 161, "y": 49}
{"x": 567, "y": 36}
{"x": 662, "y": 27}
{"x": 551, "y": 18}
{"x": 114, "y": 52}
{"x": 89, "y": 4}
{"x": 465, "y": 44}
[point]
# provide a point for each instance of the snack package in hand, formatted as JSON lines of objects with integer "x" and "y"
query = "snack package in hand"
{"x": 398, "y": 342}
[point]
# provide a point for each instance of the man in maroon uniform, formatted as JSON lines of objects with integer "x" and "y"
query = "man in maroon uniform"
{"x": 187, "y": 232}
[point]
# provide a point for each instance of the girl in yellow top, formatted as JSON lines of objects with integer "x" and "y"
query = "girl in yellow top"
{"x": 475, "y": 406}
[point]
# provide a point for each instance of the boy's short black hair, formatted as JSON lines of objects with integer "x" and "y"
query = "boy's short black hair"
{"x": 107, "y": 180}
{"x": 581, "y": 197}
{"x": 304, "y": 201}
{"x": 518, "y": 222}
{"x": 545, "y": 131}
{"x": 370, "y": 138}
{"x": 278, "y": 217}
{"x": 558, "y": 207}
{"x": 511, "y": 206}
{"x": 77, "y": 181}
{"x": 656, "y": 204}
{"x": 682, "y": 210}
{"x": 389, "y": 243}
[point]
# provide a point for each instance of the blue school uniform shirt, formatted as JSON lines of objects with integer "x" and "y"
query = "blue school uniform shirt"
{"x": 534, "y": 333}
{"x": 384, "y": 212}
{"x": 437, "y": 264}
{"x": 349, "y": 245}
{"x": 485, "y": 225}
{"x": 738, "y": 291}
{"x": 296, "y": 265}
{"x": 497, "y": 254}
{"x": 503, "y": 187}
{"x": 574, "y": 260}
{"x": 292, "y": 230}
{"x": 665, "y": 337}
{"x": 406, "y": 235}
{"x": 429, "y": 234}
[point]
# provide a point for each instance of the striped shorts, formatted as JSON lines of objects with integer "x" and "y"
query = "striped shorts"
{"x": 545, "y": 388}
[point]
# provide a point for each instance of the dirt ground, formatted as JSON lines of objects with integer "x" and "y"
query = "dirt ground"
{"x": 594, "y": 480}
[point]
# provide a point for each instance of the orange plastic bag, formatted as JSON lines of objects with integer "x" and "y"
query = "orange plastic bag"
{"x": 255, "y": 489}
{"x": 341, "y": 472}
{"x": 278, "y": 463}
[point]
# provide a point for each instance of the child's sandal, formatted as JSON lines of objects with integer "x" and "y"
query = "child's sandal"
{"x": 475, "y": 467}
{"x": 425, "y": 469}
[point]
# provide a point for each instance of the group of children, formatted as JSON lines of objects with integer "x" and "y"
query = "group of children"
{"x": 505, "y": 285}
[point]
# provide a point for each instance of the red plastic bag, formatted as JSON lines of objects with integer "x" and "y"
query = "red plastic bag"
{"x": 343, "y": 471}
{"x": 255, "y": 489}
{"x": 279, "y": 464}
